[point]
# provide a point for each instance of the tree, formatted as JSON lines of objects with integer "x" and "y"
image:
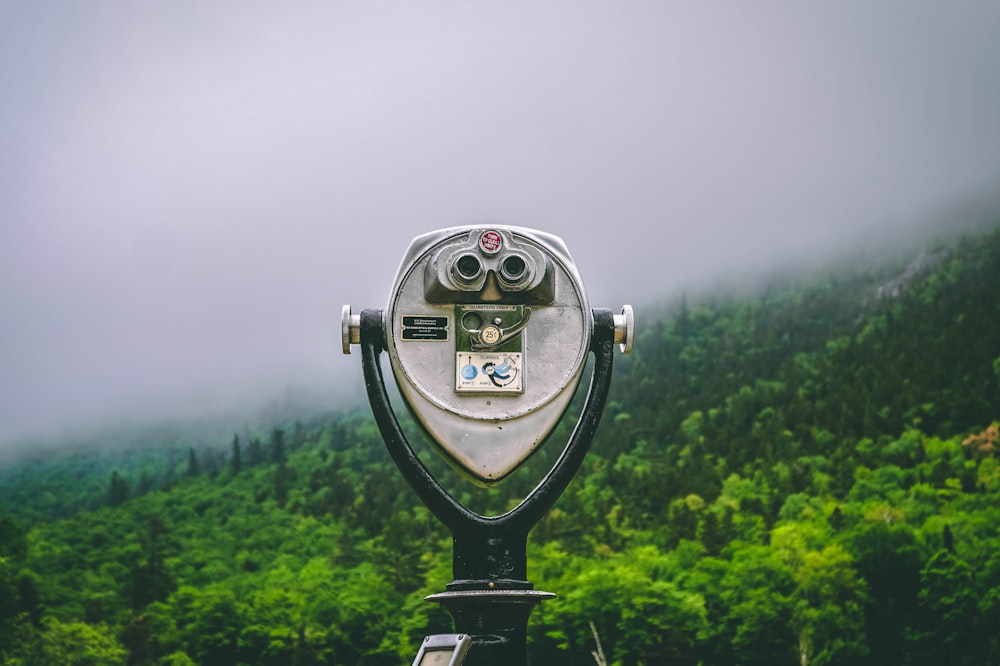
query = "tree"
{"x": 278, "y": 446}
{"x": 79, "y": 644}
{"x": 8, "y": 605}
{"x": 987, "y": 442}
{"x": 12, "y": 538}
{"x": 281, "y": 484}
{"x": 948, "y": 539}
{"x": 12, "y": 546}
{"x": 756, "y": 609}
{"x": 637, "y": 612}
{"x": 836, "y": 519}
{"x": 236, "y": 460}
{"x": 713, "y": 532}
{"x": 889, "y": 556}
{"x": 828, "y": 610}
{"x": 192, "y": 466}
{"x": 150, "y": 580}
{"x": 29, "y": 601}
{"x": 298, "y": 435}
{"x": 118, "y": 492}
{"x": 209, "y": 622}
{"x": 946, "y": 612}
{"x": 255, "y": 452}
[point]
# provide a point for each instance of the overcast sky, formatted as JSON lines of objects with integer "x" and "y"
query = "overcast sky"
{"x": 190, "y": 190}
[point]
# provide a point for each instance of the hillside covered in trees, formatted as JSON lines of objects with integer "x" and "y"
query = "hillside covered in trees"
{"x": 806, "y": 475}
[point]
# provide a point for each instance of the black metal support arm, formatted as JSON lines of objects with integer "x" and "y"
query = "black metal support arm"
{"x": 489, "y": 551}
{"x": 490, "y": 597}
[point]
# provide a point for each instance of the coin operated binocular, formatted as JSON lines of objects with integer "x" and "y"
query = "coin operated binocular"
{"x": 488, "y": 330}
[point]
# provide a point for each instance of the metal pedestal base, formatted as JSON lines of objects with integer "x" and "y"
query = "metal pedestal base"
{"x": 497, "y": 620}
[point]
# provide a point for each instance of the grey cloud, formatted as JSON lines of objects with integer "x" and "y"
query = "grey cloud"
{"x": 189, "y": 191}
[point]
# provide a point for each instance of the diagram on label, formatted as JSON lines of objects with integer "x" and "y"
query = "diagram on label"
{"x": 489, "y": 372}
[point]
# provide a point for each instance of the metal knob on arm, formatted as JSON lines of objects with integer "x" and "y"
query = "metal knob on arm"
{"x": 350, "y": 329}
{"x": 625, "y": 329}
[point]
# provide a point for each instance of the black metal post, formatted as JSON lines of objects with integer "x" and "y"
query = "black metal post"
{"x": 490, "y": 597}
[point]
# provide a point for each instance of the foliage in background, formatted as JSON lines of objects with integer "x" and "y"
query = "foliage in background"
{"x": 806, "y": 476}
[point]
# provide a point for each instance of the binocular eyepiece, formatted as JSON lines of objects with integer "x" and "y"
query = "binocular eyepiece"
{"x": 488, "y": 268}
{"x": 487, "y": 331}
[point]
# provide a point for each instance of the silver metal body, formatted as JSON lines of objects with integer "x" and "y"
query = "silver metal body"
{"x": 487, "y": 430}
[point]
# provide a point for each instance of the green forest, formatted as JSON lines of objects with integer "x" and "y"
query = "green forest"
{"x": 805, "y": 473}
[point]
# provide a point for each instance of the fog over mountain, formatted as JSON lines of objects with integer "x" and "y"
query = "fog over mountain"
{"x": 189, "y": 191}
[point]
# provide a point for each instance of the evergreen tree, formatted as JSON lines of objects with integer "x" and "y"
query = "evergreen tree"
{"x": 29, "y": 601}
{"x": 236, "y": 460}
{"x": 278, "y": 446}
{"x": 192, "y": 467}
{"x": 150, "y": 580}
{"x": 298, "y": 435}
{"x": 255, "y": 452}
{"x": 281, "y": 484}
{"x": 12, "y": 538}
{"x": 118, "y": 492}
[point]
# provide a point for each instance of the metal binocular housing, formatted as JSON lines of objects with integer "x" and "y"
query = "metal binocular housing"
{"x": 487, "y": 330}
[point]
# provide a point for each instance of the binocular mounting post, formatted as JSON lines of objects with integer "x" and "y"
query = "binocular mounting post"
{"x": 490, "y": 597}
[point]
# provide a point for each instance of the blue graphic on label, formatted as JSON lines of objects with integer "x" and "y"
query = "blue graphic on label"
{"x": 501, "y": 371}
{"x": 489, "y": 372}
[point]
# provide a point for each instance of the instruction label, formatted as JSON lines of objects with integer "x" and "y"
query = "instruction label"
{"x": 499, "y": 369}
{"x": 489, "y": 372}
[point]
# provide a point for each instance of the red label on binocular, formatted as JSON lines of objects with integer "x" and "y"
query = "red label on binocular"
{"x": 491, "y": 241}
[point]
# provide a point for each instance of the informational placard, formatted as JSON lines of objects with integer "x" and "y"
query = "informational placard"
{"x": 423, "y": 327}
{"x": 489, "y": 372}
